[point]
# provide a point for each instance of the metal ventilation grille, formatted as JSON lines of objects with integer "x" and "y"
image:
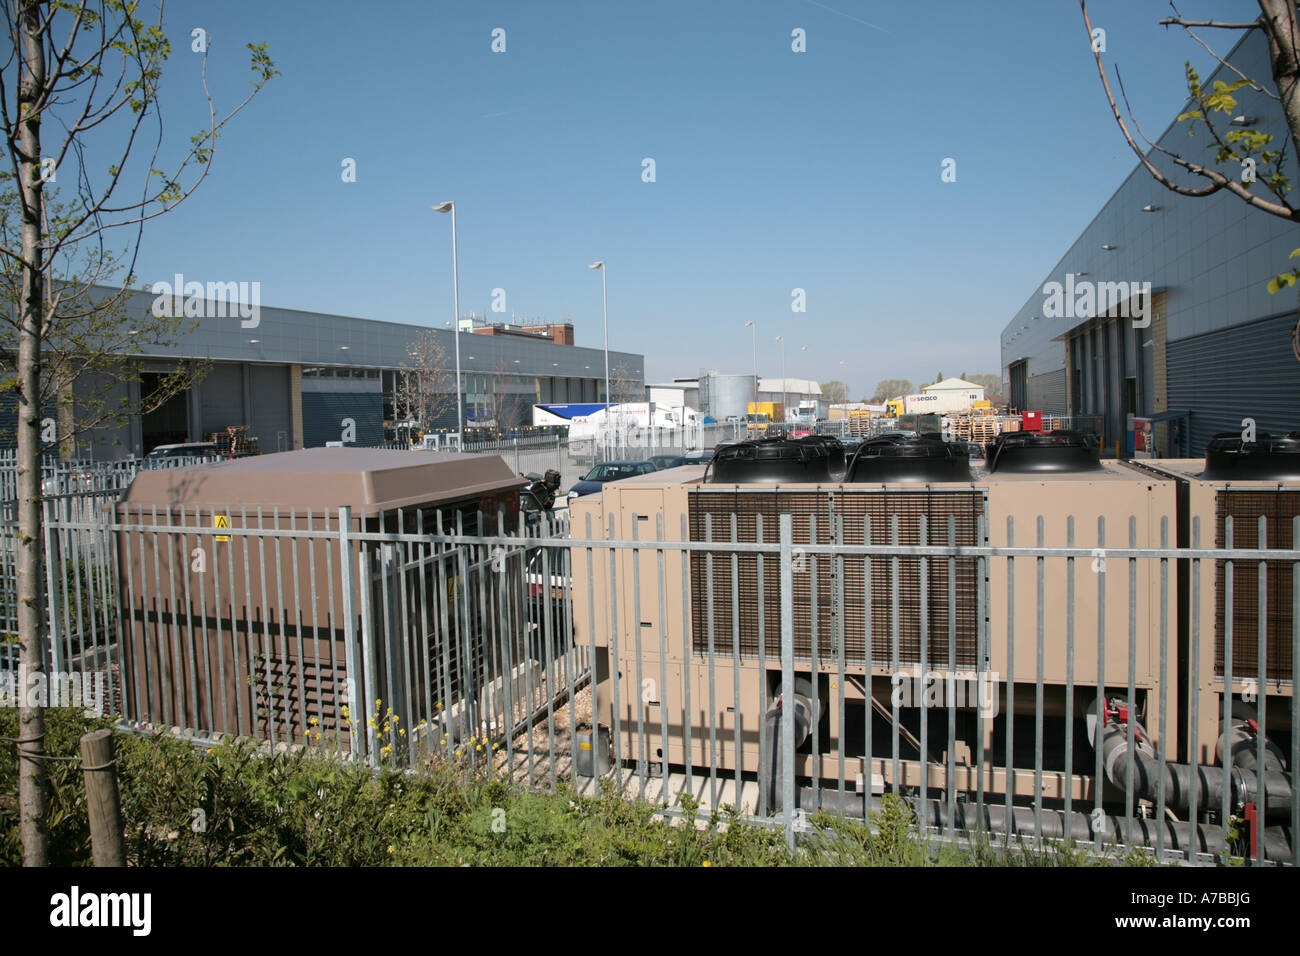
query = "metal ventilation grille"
{"x": 288, "y": 693}
{"x": 1278, "y": 508}
{"x": 733, "y": 604}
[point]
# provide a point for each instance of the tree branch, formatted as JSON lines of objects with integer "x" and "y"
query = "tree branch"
{"x": 1218, "y": 180}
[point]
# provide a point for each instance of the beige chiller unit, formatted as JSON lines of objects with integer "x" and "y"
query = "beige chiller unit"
{"x": 1223, "y": 499}
{"x": 893, "y": 621}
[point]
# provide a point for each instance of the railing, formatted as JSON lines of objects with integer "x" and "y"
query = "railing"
{"x": 381, "y": 639}
{"x": 72, "y": 490}
{"x": 837, "y": 666}
{"x": 782, "y": 668}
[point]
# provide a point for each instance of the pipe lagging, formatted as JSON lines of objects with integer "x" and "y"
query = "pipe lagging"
{"x": 1181, "y": 781}
{"x": 1079, "y": 826}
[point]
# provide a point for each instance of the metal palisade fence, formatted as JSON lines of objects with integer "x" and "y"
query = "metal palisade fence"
{"x": 789, "y": 667}
{"x": 1016, "y": 683}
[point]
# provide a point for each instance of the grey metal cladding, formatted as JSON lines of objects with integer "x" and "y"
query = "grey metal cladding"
{"x": 270, "y": 414}
{"x": 1212, "y": 257}
{"x": 1247, "y": 371}
{"x": 323, "y": 413}
{"x": 313, "y": 338}
{"x": 221, "y": 397}
{"x": 1047, "y": 392}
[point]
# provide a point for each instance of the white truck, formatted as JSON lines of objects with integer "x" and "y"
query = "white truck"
{"x": 940, "y": 403}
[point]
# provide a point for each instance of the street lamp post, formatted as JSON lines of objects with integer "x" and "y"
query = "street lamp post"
{"x": 455, "y": 308}
{"x": 784, "y": 397}
{"x": 754, "y": 336}
{"x": 804, "y": 366}
{"x": 604, "y": 299}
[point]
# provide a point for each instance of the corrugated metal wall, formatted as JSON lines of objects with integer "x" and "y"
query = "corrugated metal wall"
{"x": 221, "y": 395}
{"x": 1247, "y": 371}
{"x": 269, "y": 412}
{"x": 1047, "y": 392}
{"x": 326, "y": 403}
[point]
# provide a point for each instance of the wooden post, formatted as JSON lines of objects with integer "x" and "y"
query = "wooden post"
{"x": 102, "y": 801}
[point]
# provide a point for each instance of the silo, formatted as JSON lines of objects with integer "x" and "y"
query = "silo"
{"x": 723, "y": 395}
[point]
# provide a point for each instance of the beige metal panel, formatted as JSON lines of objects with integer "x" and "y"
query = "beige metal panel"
{"x": 1116, "y": 502}
{"x": 646, "y": 699}
{"x": 367, "y": 479}
{"x": 590, "y": 572}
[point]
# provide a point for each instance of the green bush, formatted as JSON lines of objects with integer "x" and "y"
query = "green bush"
{"x": 238, "y": 805}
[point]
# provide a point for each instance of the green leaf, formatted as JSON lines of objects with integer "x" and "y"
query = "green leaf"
{"x": 1194, "y": 114}
{"x": 1283, "y": 279}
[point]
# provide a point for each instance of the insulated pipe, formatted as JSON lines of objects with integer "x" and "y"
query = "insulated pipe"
{"x": 1078, "y": 826}
{"x": 806, "y": 713}
{"x": 1245, "y": 748}
{"x": 1083, "y": 827}
{"x": 1181, "y": 780}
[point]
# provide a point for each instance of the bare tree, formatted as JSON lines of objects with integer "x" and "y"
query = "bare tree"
{"x": 80, "y": 68}
{"x": 835, "y": 392}
{"x": 992, "y": 385}
{"x": 426, "y": 388}
{"x": 890, "y": 387}
{"x": 1239, "y": 149}
{"x": 507, "y": 403}
{"x": 625, "y": 384}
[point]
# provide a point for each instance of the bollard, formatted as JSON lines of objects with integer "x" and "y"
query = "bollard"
{"x": 103, "y": 804}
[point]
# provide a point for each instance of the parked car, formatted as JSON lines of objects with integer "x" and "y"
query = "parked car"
{"x": 595, "y": 479}
{"x": 664, "y": 462}
{"x": 697, "y": 457}
{"x": 68, "y": 483}
{"x": 197, "y": 449}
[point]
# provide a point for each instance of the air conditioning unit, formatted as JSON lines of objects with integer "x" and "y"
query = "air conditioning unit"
{"x": 659, "y": 617}
{"x": 1241, "y": 495}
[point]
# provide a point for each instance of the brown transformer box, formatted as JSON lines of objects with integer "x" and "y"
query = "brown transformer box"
{"x": 246, "y": 633}
{"x": 977, "y": 616}
{"x": 1223, "y": 499}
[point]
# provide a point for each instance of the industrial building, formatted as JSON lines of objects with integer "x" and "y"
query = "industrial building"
{"x": 954, "y": 386}
{"x": 1161, "y": 310}
{"x": 298, "y": 379}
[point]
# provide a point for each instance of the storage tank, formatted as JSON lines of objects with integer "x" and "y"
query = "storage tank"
{"x": 725, "y": 395}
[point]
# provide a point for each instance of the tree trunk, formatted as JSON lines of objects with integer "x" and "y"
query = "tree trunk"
{"x": 1281, "y": 29}
{"x": 31, "y": 585}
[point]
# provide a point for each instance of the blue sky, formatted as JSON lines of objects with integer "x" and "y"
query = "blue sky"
{"x": 775, "y": 170}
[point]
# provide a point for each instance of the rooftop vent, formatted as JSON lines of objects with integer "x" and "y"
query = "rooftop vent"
{"x": 1043, "y": 452}
{"x": 1227, "y": 457}
{"x": 901, "y": 457}
{"x": 833, "y": 447}
{"x": 772, "y": 461}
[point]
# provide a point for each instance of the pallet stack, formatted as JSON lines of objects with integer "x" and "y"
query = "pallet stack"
{"x": 235, "y": 440}
{"x": 984, "y": 428}
{"x": 979, "y": 425}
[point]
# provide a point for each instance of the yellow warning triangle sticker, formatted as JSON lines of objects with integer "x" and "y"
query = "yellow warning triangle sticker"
{"x": 221, "y": 521}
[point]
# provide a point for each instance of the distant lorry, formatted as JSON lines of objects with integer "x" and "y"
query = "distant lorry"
{"x": 934, "y": 403}
{"x": 762, "y": 414}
